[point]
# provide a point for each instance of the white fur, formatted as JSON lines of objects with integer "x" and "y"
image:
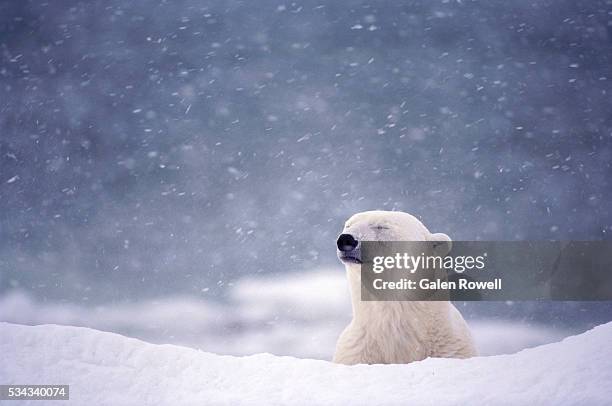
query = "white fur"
{"x": 397, "y": 332}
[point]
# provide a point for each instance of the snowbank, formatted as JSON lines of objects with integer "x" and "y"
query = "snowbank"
{"x": 109, "y": 369}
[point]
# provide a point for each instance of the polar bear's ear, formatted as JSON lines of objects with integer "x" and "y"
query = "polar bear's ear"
{"x": 442, "y": 243}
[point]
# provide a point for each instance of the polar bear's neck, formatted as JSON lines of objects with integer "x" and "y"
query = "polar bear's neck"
{"x": 383, "y": 312}
{"x": 393, "y": 332}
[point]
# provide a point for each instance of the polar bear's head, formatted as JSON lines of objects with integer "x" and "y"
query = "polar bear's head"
{"x": 384, "y": 226}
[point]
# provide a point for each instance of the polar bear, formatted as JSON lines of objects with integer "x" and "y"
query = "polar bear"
{"x": 396, "y": 332}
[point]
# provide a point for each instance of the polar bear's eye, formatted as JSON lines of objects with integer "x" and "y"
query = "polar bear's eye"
{"x": 379, "y": 227}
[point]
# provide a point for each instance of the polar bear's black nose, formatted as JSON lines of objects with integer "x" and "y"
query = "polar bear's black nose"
{"x": 346, "y": 242}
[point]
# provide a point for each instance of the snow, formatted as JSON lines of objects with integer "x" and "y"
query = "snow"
{"x": 109, "y": 369}
{"x": 296, "y": 314}
{"x": 13, "y": 179}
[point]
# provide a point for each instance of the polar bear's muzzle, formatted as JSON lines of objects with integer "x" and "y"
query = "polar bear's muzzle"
{"x": 349, "y": 250}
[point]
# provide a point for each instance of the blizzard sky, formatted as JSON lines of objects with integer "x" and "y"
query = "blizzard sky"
{"x": 154, "y": 148}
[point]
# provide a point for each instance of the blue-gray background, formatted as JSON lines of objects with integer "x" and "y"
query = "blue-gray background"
{"x": 152, "y": 148}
